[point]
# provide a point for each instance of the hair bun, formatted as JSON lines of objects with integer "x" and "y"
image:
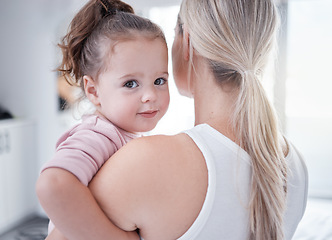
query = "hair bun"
{"x": 110, "y": 7}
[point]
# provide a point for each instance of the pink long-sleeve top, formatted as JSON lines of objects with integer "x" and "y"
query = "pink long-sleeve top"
{"x": 84, "y": 148}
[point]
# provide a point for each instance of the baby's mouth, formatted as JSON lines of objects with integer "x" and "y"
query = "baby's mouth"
{"x": 148, "y": 114}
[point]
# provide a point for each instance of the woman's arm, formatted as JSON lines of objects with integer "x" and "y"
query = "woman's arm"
{"x": 73, "y": 209}
{"x": 156, "y": 184}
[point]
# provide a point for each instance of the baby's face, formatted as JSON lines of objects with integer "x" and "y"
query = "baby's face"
{"x": 133, "y": 91}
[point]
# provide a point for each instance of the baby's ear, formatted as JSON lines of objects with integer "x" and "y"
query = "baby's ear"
{"x": 90, "y": 89}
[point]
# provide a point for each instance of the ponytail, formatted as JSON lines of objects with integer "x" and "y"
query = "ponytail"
{"x": 256, "y": 125}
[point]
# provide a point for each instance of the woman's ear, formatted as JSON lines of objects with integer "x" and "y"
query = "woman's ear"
{"x": 186, "y": 45}
{"x": 91, "y": 91}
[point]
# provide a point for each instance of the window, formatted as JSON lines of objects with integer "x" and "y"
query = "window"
{"x": 308, "y": 89}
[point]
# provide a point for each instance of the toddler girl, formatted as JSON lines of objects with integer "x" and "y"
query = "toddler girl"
{"x": 120, "y": 61}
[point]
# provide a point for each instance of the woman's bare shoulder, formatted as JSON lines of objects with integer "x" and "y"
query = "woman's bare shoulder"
{"x": 151, "y": 148}
{"x": 155, "y": 140}
{"x": 143, "y": 176}
{"x": 141, "y": 153}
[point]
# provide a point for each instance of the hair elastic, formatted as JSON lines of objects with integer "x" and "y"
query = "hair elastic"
{"x": 108, "y": 7}
{"x": 249, "y": 71}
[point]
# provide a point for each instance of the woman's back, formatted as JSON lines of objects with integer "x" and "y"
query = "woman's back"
{"x": 208, "y": 178}
{"x": 225, "y": 213}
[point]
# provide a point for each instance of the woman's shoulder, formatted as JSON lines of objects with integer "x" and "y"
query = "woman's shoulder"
{"x": 145, "y": 152}
{"x": 147, "y": 183}
{"x": 146, "y": 157}
{"x": 155, "y": 139}
{"x": 157, "y": 143}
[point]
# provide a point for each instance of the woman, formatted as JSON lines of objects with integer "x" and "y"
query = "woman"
{"x": 232, "y": 176}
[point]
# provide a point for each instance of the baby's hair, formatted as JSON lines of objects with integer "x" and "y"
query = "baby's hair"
{"x": 92, "y": 33}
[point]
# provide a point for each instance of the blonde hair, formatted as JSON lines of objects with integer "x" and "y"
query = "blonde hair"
{"x": 236, "y": 38}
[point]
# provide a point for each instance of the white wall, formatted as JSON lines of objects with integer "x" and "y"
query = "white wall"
{"x": 28, "y": 56}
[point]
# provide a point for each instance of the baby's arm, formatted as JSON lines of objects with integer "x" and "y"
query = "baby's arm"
{"x": 73, "y": 209}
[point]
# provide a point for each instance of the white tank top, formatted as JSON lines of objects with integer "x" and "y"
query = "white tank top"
{"x": 225, "y": 214}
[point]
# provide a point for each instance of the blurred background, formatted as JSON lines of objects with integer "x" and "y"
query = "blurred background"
{"x": 36, "y": 106}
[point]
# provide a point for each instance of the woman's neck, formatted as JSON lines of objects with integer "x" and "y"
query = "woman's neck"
{"x": 214, "y": 105}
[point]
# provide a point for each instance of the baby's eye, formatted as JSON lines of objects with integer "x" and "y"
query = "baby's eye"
{"x": 131, "y": 84}
{"x": 160, "y": 81}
